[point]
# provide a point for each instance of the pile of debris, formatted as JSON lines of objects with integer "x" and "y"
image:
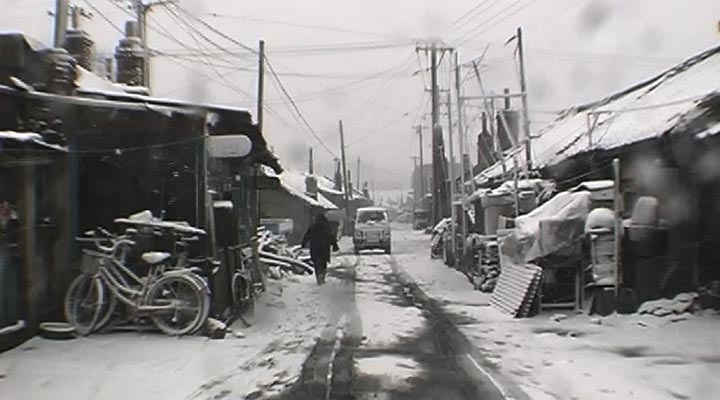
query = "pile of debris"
{"x": 485, "y": 276}
{"x": 680, "y": 304}
{"x": 279, "y": 258}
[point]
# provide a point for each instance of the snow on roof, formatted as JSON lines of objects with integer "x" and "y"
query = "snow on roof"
{"x": 592, "y": 186}
{"x": 128, "y": 105}
{"x": 146, "y": 219}
{"x": 372, "y": 209}
{"x": 29, "y": 137}
{"x": 20, "y": 136}
{"x": 644, "y": 111}
{"x": 294, "y": 183}
{"x": 327, "y": 185}
{"x": 89, "y": 82}
{"x": 33, "y": 43}
{"x": 223, "y": 204}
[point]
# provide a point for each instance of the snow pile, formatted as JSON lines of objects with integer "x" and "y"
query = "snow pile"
{"x": 680, "y": 304}
{"x": 617, "y": 357}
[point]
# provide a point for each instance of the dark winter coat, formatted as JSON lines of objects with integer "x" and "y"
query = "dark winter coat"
{"x": 320, "y": 239}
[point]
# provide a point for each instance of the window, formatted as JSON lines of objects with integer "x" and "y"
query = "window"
{"x": 371, "y": 216}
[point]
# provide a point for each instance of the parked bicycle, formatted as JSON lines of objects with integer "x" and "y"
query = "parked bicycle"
{"x": 174, "y": 297}
{"x": 246, "y": 285}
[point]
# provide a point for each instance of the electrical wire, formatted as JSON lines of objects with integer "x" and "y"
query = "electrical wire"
{"x": 103, "y": 16}
{"x": 298, "y": 25}
{"x": 378, "y": 129}
{"x": 182, "y": 22}
{"x": 216, "y": 31}
{"x": 466, "y": 17}
{"x": 496, "y": 19}
{"x": 373, "y": 102}
{"x": 297, "y": 109}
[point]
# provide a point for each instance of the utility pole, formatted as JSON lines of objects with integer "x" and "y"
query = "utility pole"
{"x": 418, "y": 129}
{"x": 346, "y": 187}
{"x": 357, "y": 175}
{"x": 453, "y": 217}
{"x": 261, "y": 85}
{"x": 412, "y": 185}
{"x": 461, "y": 144}
{"x": 61, "y": 20}
{"x": 523, "y": 90}
{"x": 439, "y": 192}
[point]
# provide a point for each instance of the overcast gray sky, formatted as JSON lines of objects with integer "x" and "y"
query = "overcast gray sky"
{"x": 356, "y": 60}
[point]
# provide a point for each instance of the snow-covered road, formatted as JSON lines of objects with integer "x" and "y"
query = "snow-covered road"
{"x": 400, "y": 326}
{"x": 385, "y": 341}
{"x": 367, "y": 334}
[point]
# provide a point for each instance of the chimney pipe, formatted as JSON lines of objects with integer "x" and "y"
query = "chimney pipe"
{"x": 132, "y": 29}
{"x": 310, "y": 162}
{"x": 61, "y": 20}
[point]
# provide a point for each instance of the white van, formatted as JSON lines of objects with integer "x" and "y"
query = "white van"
{"x": 372, "y": 230}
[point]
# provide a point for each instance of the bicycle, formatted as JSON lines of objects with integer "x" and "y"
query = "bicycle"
{"x": 176, "y": 299}
{"x": 246, "y": 285}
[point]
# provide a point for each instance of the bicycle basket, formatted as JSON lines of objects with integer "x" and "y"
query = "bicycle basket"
{"x": 92, "y": 261}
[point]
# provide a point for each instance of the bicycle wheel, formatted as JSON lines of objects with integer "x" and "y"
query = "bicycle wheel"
{"x": 107, "y": 310}
{"x": 244, "y": 299}
{"x": 188, "y": 304}
{"x": 84, "y": 302}
{"x": 202, "y": 284}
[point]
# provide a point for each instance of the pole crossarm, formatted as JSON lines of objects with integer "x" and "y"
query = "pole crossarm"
{"x": 492, "y": 96}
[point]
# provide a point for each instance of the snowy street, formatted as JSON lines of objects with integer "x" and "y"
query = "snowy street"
{"x": 398, "y": 326}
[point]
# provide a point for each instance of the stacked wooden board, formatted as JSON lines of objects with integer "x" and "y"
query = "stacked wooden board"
{"x": 516, "y": 289}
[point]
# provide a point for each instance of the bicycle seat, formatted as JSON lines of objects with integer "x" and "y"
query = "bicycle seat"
{"x": 155, "y": 257}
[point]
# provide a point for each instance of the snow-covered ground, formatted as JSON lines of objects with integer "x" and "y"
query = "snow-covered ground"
{"x": 367, "y": 312}
{"x": 622, "y": 357}
{"x": 134, "y": 365}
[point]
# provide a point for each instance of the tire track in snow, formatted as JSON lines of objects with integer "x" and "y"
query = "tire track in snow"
{"x": 324, "y": 374}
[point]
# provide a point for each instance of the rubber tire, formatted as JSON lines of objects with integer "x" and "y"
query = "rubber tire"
{"x": 200, "y": 294}
{"x": 240, "y": 283}
{"x": 206, "y": 289}
{"x": 107, "y": 310}
{"x": 83, "y": 328}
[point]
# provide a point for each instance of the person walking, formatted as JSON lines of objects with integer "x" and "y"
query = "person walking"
{"x": 320, "y": 239}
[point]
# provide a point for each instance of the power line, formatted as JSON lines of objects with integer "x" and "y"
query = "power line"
{"x": 298, "y": 25}
{"x": 103, "y": 16}
{"x": 378, "y": 129}
{"x": 181, "y": 21}
{"x": 374, "y": 102}
{"x": 297, "y": 110}
{"x": 217, "y": 32}
{"x": 495, "y": 20}
{"x": 466, "y": 16}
